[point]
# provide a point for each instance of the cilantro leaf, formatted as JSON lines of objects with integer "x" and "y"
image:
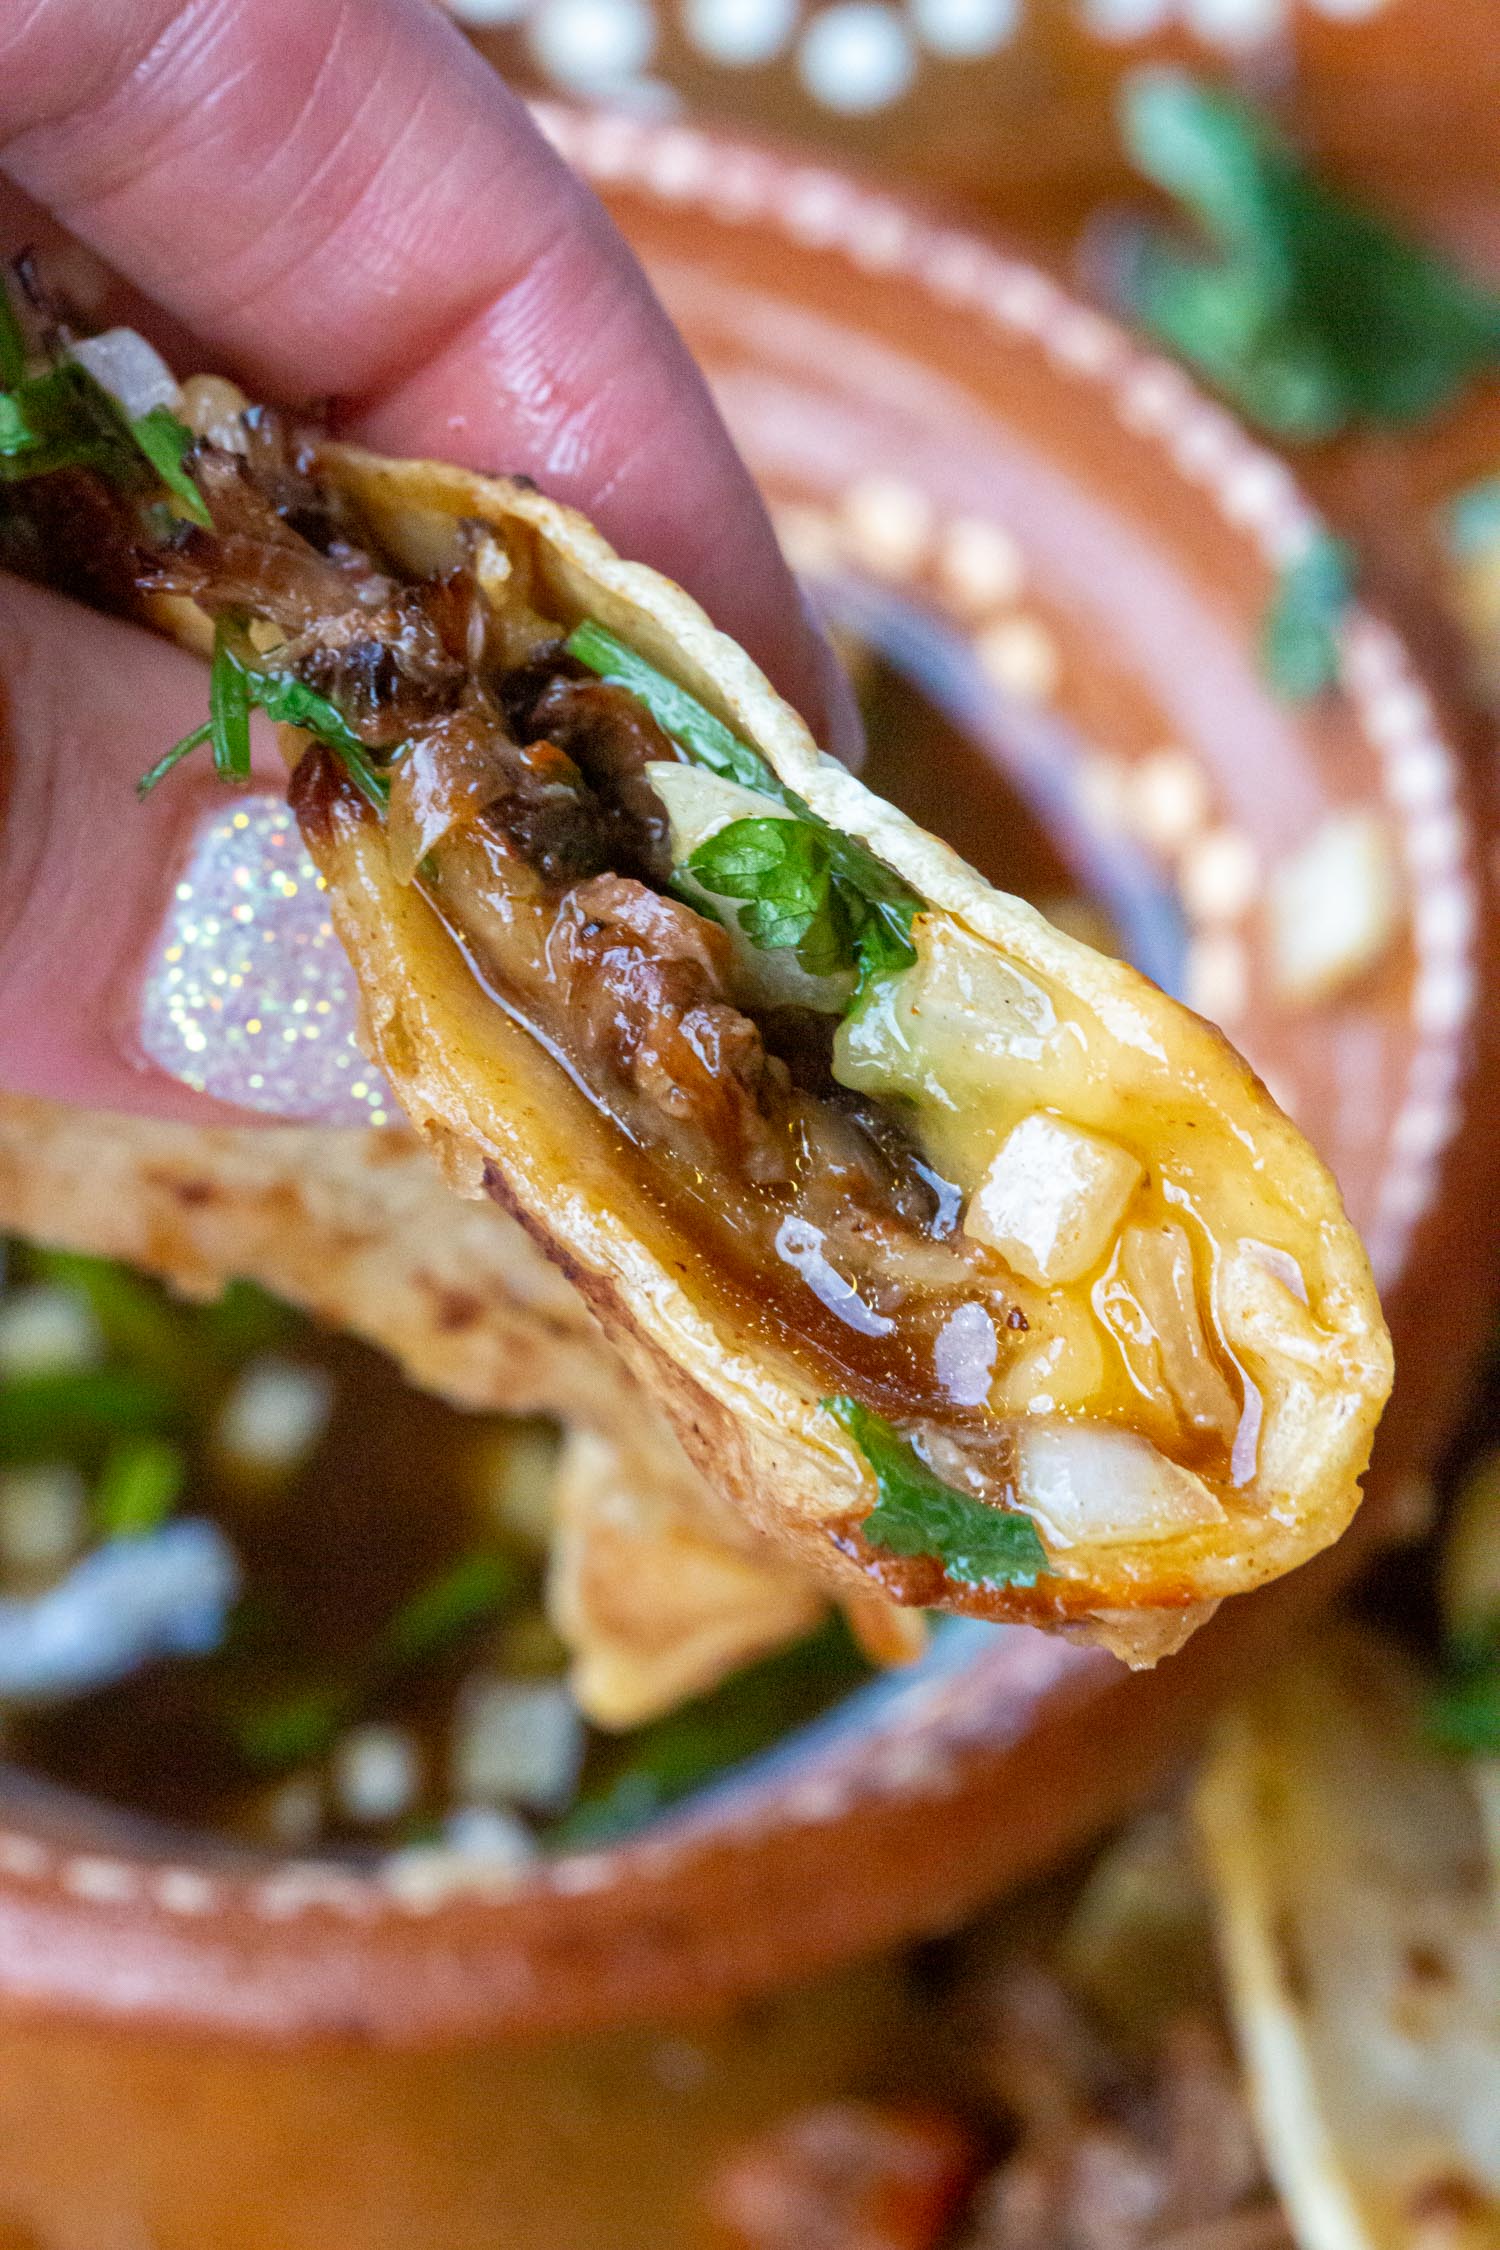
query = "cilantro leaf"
{"x": 1464, "y": 1714}
{"x": 166, "y": 442}
{"x": 229, "y": 706}
{"x": 1313, "y": 314}
{"x": 830, "y": 897}
{"x": 139, "y": 1486}
{"x": 284, "y": 698}
{"x": 291, "y": 1730}
{"x": 1299, "y": 647}
{"x": 475, "y": 1588}
{"x": 63, "y": 419}
{"x": 783, "y": 868}
{"x": 707, "y": 741}
{"x": 917, "y": 1514}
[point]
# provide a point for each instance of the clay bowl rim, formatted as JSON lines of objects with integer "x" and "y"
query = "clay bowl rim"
{"x": 742, "y": 1886}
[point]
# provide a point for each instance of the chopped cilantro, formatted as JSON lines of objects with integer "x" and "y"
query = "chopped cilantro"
{"x": 139, "y": 1486}
{"x": 166, "y": 442}
{"x": 784, "y": 870}
{"x": 663, "y": 1761}
{"x": 917, "y": 1514}
{"x": 1299, "y": 649}
{"x": 1464, "y": 1714}
{"x": 64, "y": 418}
{"x": 811, "y": 887}
{"x": 75, "y": 1409}
{"x": 291, "y": 1729}
{"x": 236, "y": 688}
{"x": 476, "y": 1588}
{"x": 1309, "y": 313}
{"x": 229, "y": 706}
{"x": 707, "y": 741}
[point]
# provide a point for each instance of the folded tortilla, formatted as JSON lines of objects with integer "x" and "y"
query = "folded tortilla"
{"x": 967, "y": 1266}
{"x": 1358, "y": 1934}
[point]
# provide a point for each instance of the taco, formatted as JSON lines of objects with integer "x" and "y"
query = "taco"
{"x": 1358, "y": 1934}
{"x": 963, "y": 1262}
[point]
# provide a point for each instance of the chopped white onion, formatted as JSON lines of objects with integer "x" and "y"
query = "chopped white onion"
{"x": 516, "y": 1742}
{"x": 377, "y": 1773}
{"x": 1156, "y": 1266}
{"x": 275, "y": 1415}
{"x": 1052, "y": 1199}
{"x": 1095, "y": 1485}
{"x": 131, "y": 370}
{"x": 487, "y": 1833}
{"x": 964, "y": 1355}
{"x": 800, "y": 1245}
{"x": 46, "y": 1330}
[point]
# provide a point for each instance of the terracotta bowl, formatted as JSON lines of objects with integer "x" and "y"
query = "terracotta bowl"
{"x": 1011, "y": 104}
{"x": 1071, "y": 553}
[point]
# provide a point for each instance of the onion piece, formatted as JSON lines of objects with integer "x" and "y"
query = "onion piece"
{"x": 131, "y": 370}
{"x": 1156, "y": 1265}
{"x": 1052, "y": 1199}
{"x": 1095, "y": 1485}
{"x": 443, "y": 782}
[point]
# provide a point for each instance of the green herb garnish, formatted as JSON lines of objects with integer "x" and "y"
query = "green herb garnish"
{"x": 1464, "y": 1713}
{"x": 783, "y": 869}
{"x": 1299, "y": 647}
{"x": 707, "y": 741}
{"x": 236, "y": 688}
{"x": 475, "y": 1589}
{"x": 74, "y": 1409}
{"x": 668, "y": 1758}
{"x": 166, "y": 443}
{"x": 62, "y": 417}
{"x": 139, "y": 1486}
{"x": 229, "y": 705}
{"x": 293, "y": 1729}
{"x": 917, "y": 1514}
{"x": 1310, "y": 314}
{"x": 809, "y": 887}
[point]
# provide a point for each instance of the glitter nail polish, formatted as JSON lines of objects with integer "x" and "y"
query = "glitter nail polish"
{"x": 247, "y": 994}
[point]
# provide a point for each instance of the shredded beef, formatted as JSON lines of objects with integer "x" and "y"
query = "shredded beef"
{"x": 609, "y": 736}
{"x": 643, "y": 980}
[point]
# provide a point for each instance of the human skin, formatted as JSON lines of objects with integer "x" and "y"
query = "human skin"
{"x": 339, "y": 201}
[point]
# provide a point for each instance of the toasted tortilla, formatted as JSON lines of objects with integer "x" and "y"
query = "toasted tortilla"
{"x": 506, "y": 1122}
{"x": 1361, "y": 1952}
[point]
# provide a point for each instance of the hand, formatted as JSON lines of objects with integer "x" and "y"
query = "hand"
{"x": 340, "y": 200}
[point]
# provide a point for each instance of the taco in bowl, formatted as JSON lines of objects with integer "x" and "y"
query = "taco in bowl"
{"x": 966, "y": 1265}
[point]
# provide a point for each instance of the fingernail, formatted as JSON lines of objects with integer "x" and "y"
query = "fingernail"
{"x": 247, "y": 993}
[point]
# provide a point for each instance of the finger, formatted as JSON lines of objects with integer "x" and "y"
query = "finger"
{"x": 87, "y": 872}
{"x": 342, "y": 198}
